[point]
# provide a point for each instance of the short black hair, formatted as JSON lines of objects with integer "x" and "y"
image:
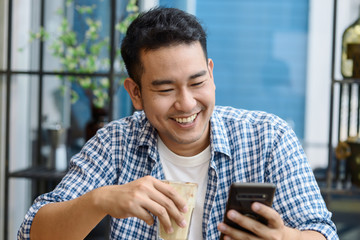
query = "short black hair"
{"x": 156, "y": 28}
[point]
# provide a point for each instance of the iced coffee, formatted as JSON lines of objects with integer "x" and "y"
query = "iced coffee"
{"x": 188, "y": 191}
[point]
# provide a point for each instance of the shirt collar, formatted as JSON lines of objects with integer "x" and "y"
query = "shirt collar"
{"x": 147, "y": 133}
{"x": 218, "y": 135}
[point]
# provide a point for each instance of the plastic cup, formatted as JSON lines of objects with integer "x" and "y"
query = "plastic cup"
{"x": 188, "y": 192}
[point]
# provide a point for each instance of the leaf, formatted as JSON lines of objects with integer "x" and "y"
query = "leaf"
{"x": 69, "y": 63}
{"x": 85, "y": 82}
{"x": 105, "y": 62}
{"x": 100, "y": 98}
{"x": 85, "y": 9}
{"x": 60, "y": 12}
{"x": 96, "y": 48}
{"x": 44, "y": 35}
{"x": 32, "y": 36}
{"x": 61, "y": 77}
{"x": 124, "y": 24}
{"x": 69, "y": 2}
{"x": 86, "y": 56}
{"x": 69, "y": 38}
{"x": 91, "y": 63}
{"x": 132, "y": 7}
{"x": 118, "y": 52}
{"x": 57, "y": 49}
{"x": 94, "y": 27}
{"x": 98, "y": 102}
{"x": 62, "y": 89}
{"x": 71, "y": 78}
{"x": 121, "y": 27}
{"x": 74, "y": 96}
{"x": 122, "y": 80}
{"x": 64, "y": 26}
{"x": 105, "y": 83}
{"x": 80, "y": 51}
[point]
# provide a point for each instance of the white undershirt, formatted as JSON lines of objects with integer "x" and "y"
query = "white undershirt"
{"x": 188, "y": 169}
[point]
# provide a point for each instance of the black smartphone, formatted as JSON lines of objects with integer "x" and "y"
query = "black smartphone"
{"x": 242, "y": 195}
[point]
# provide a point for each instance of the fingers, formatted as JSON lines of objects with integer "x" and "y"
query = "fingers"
{"x": 232, "y": 233}
{"x": 161, "y": 200}
{"x": 165, "y": 210}
{"x": 246, "y": 222}
{"x": 143, "y": 198}
{"x": 170, "y": 204}
{"x": 168, "y": 191}
{"x": 274, "y": 227}
{"x": 144, "y": 215}
{"x": 274, "y": 219}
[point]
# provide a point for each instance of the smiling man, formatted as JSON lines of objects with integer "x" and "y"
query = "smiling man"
{"x": 177, "y": 95}
{"x": 179, "y": 134}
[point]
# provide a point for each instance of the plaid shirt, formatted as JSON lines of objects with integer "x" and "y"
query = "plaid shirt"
{"x": 246, "y": 146}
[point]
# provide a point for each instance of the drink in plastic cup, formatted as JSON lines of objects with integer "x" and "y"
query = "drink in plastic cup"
{"x": 188, "y": 192}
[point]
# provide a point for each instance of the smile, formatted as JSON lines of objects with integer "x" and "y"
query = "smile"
{"x": 186, "y": 120}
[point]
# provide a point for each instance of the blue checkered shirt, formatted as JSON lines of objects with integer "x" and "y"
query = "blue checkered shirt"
{"x": 246, "y": 146}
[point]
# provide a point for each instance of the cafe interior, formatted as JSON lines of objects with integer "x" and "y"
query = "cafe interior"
{"x": 296, "y": 59}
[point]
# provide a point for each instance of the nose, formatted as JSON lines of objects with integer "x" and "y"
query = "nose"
{"x": 185, "y": 101}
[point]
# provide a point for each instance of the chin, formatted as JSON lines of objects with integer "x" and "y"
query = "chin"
{"x": 188, "y": 139}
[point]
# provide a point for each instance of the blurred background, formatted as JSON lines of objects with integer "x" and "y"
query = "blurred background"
{"x": 61, "y": 75}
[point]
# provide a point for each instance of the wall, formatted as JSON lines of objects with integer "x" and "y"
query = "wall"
{"x": 2, "y": 112}
{"x": 3, "y": 15}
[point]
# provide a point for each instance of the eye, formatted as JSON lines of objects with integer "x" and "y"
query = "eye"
{"x": 197, "y": 83}
{"x": 165, "y": 90}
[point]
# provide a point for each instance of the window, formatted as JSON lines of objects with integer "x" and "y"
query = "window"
{"x": 36, "y": 100}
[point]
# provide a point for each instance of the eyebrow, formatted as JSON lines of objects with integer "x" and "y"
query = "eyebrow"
{"x": 199, "y": 74}
{"x": 159, "y": 82}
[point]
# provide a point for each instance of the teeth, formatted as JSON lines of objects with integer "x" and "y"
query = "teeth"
{"x": 186, "y": 120}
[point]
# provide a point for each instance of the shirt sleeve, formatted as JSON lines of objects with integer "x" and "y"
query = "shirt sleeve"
{"x": 89, "y": 169}
{"x": 298, "y": 198}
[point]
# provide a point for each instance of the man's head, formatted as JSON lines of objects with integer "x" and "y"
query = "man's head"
{"x": 159, "y": 27}
{"x": 171, "y": 78}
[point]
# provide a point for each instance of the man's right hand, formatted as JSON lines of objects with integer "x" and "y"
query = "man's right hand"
{"x": 74, "y": 219}
{"x": 140, "y": 198}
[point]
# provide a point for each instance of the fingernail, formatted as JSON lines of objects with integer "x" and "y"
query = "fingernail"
{"x": 256, "y": 207}
{"x": 183, "y": 224}
{"x": 185, "y": 209}
{"x": 170, "y": 230}
{"x": 227, "y": 238}
{"x": 232, "y": 214}
{"x": 222, "y": 227}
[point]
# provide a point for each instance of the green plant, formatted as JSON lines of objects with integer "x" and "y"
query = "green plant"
{"x": 84, "y": 54}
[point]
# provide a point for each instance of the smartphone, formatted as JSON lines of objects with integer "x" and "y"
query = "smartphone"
{"x": 242, "y": 195}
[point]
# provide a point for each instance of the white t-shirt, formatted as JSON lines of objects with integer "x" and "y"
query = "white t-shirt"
{"x": 188, "y": 169}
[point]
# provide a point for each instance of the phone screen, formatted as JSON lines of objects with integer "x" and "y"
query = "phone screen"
{"x": 241, "y": 197}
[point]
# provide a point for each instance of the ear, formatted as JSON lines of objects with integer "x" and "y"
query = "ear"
{"x": 211, "y": 68}
{"x": 133, "y": 90}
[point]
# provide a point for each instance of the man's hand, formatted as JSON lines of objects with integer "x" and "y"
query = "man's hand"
{"x": 274, "y": 230}
{"x": 74, "y": 219}
{"x": 142, "y": 197}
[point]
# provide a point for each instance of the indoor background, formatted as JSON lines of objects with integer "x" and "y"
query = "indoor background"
{"x": 276, "y": 56}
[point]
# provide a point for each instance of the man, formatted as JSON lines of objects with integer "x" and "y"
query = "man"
{"x": 179, "y": 134}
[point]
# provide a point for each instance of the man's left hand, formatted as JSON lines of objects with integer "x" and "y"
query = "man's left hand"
{"x": 274, "y": 230}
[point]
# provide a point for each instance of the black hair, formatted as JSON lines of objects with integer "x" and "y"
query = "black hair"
{"x": 156, "y": 28}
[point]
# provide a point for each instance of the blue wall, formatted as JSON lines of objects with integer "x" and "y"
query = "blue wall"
{"x": 259, "y": 50}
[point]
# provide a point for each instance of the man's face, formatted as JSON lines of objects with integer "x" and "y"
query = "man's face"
{"x": 178, "y": 96}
